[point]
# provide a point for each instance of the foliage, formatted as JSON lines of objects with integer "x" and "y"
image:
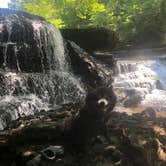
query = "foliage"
{"x": 128, "y": 18}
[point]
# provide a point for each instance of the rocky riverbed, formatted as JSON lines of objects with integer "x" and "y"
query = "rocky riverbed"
{"x": 133, "y": 140}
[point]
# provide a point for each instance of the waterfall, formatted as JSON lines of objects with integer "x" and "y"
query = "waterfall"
{"x": 135, "y": 75}
{"x": 30, "y": 44}
{"x": 141, "y": 82}
{"x": 34, "y": 71}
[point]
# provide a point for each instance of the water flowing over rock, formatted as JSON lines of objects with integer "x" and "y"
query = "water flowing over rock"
{"x": 141, "y": 82}
{"x": 29, "y": 43}
{"x": 36, "y": 69}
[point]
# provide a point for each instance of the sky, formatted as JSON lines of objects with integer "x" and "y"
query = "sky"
{"x": 4, "y": 3}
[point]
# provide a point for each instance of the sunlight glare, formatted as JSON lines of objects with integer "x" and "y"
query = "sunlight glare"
{"x": 4, "y": 3}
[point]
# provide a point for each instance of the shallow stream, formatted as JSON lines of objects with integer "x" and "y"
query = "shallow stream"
{"x": 140, "y": 82}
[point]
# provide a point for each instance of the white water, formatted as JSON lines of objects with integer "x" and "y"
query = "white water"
{"x": 51, "y": 37}
{"x": 34, "y": 71}
{"x": 141, "y": 82}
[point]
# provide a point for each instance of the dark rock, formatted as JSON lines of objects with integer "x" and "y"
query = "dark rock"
{"x": 36, "y": 75}
{"x": 20, "y": 43}
{"x": 133, "y": 97}
{"x": 29, "y": 38}
{"x": 92, "y": 39}
{"x": 37, "y": 65}
{"x": 85, "y": 66}
{"x": 149, "y": 112}
{"x": 108, "y": 60}
{"x": 159, "y": 85}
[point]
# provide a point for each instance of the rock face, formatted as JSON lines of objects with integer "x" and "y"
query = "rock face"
{"x": 92, "y": 39}
{"x": 85, "y": 66}
{"x": 29, "y": 43}
{"x": 134, "y": 140}
{"x": 38, "y": 70}
{"x": 41, "y": 75}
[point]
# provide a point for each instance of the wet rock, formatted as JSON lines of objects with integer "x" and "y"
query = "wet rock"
{"x": 23, "y": 40}
{"x": 129, "y": 97}
{"x": 37, "y": 64}
{"x": 149, "y": 112}
{"x": 159, "y": 85}
{"x": 85, "y": 66}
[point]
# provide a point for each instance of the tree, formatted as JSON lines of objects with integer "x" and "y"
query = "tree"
{"x": 128, "y": 18}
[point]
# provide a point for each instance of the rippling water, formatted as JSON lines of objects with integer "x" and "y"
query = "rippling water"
{"x": 140, "y": 84}
{"x": 35, "y": 73}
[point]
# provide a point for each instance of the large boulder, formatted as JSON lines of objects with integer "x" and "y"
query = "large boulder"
{"x": 92, "y": 39}
{"x": 84, "y": 65}
{"x": 39, "y": 70}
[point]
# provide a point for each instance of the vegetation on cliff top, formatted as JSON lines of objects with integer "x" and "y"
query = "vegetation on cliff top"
{"x": 128, "y": 18}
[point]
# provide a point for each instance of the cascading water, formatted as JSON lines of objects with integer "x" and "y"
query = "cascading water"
{"x": 34, "y": 72}
{"x": 141, "y": 82}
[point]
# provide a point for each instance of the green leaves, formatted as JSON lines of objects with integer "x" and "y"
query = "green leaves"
{"x": 127, "y": 17}
{"x": 98, "y": 7}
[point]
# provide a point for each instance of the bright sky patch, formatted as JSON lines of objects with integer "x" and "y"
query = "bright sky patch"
{"x": 4, "y": 3}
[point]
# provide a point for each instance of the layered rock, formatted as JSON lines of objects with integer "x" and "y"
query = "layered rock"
{"x": 38, "y": 69}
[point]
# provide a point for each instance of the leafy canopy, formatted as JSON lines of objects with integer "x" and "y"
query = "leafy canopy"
{"x": 128, "y": 18}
